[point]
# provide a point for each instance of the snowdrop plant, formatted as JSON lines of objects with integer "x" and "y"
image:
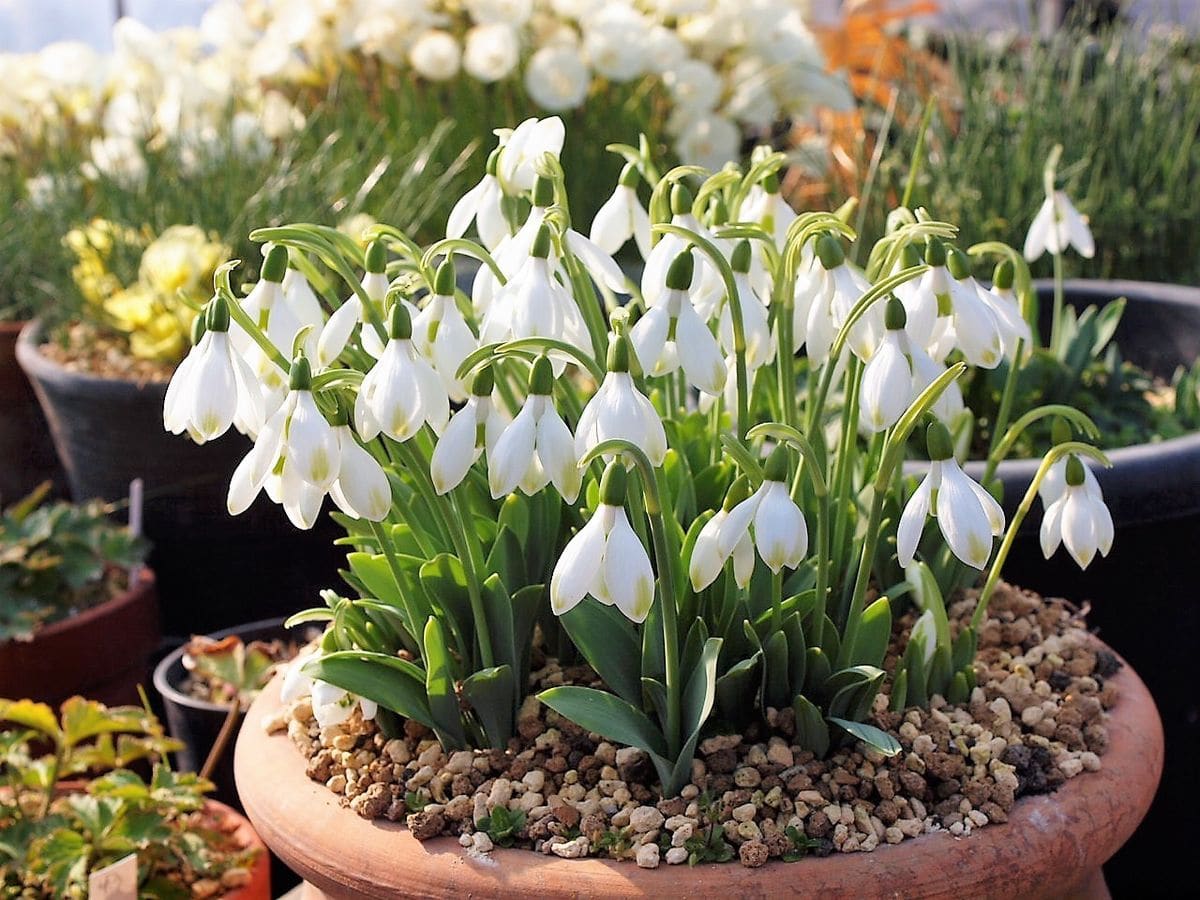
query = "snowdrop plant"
{"x": 715, "y": 537}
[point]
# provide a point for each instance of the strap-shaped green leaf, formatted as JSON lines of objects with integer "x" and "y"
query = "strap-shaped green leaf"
{"x": 797, "y": 651}
{"x": 506, "y": 558}
{"x": 777, "y": 686}
{"x": 696, "y": 637}
{"x": 811, "y": 731}
{"x": 439, "y": 685}
{"x": 870, "y": 735}
{"x": 818, "y": 670}
{"x": 655, "y": 697}
{"x": 490, "y": 693}
{"x": 393, "y": 683}
{"x": 700, "y": 690}
{"x": 607, "y": 715}
{"x": 963, "y": 651}
{"x": 874, "y": 632}
{"x": 609, "y": 643}
{"x": 445, "y": 586}
{"x": 899, "y": 691}
{"x": 515, "y": 515}
{"x": 736, "y": 690}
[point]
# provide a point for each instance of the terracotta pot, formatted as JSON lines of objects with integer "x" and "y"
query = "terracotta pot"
{"x": 102, "y": 653}
{"x": 259, "y": 887}
{"x": 25, "y": 445}
{"x": 1052, "y": 847}
{"x": 108, "y": 431}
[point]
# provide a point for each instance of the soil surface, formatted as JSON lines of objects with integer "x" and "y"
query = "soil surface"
{"x": 1035, "y": 720}
{"x": 81, "y": 347}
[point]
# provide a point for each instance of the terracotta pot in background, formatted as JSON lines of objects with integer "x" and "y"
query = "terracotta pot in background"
{"x": 259, "y": 887}
{"x": 26, "y": 451}
{"x": 102, "y": 653}
{"x": 1052, "y": 847}
{"x": 214, "y": 570}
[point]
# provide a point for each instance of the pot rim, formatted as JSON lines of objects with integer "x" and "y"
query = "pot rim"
{"x": 162, "y": 682}
{"x": 1078, "y": 828}
{"x": 146, "y": 584}
{"x": 37, "y": 365}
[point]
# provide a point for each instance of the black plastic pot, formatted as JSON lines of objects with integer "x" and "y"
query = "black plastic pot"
{"x": 198, "y": 722}
{"x": 26, "y": 452}
{"x": 213, "y": 569}
{"x": 1143, "y": 594}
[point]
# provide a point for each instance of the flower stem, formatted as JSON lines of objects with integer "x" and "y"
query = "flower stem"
{"x": 1056, "y": 324}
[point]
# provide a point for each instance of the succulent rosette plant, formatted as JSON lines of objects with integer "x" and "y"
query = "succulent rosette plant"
{"x": 692, "y": 481}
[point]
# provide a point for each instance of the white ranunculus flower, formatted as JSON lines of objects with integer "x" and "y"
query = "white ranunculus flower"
{"x": 557, "y": 79}
{"x": 435, "y": 55}
{"x": 695, "y": 86}
{"x": 709, "y": 141}
{"x": 491, "y": 52}
{"x": 510, "y": 12}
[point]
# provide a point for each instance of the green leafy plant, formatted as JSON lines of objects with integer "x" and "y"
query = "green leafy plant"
{"x": 57, "y": 559}
{"x": 502, "y": 825}
{"x": 231, "y": 668}
{"x": 55, "y": 830}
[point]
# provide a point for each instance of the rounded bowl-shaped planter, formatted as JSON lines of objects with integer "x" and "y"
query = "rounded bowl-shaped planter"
{"x": 25, "y": 444}
{"x": 103, "y": 652}
{"x": 1052, "y": 846}
{"x": 198, "y": 722}
{"x": 259, "y": 885}
{"x": 214, "y": 569}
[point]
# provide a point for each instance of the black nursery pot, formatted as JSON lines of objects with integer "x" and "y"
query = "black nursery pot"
{"x": 213, "y": 569}
{"x": 1143, "y": 594}
{"x": 197, "y": 722}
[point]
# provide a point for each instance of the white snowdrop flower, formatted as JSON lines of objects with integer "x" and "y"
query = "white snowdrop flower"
{"x": 335, "y": 333}
{"x": 402, "y": 392}
{"x": 622, "y": 217}
{"x": 924, "y": 633}
{"x": 619, "y": 410}
{"x": 707, "y": 560}
{"x": 1057, "y": 226}
{"x": 766, "y": 206}
{"x": 839, "y": 289}
{"x": 984, "y": 328}
{"x": 925, "y": 371}
{"x": 1054, "y": 484}
{"x": 524, "y": 147}
{"x": 1078, "y": 518}
{"x": 1003, "y": 302}
{"x": 331, "y": 705}
{"x": 303, "y": 304}
{"x": 436, "y": 55}
{"x": 968, "y": 516}
{"x": 672, "y": 335}
{"x": 605, "y": 559}
{"x": 491, "y": 52}
{"x": 361, "y": 490}
{"x": 213, "y": 387}
{"x": 887, "y": 382}
{"x": 695, "y": 86}
{"x": 557, "y": 79}
{"x": 756, "y": 328}
{"x": 267, "y": 306}
{"x": 536, "y": 448}
{"x": 481, "y": 205}
{"x": 442, "y": 335}
{"x": 923, "y": 298}
{"x": 780, "y": 532}
{"x": 534, "y": 304}
{"x": 710, "y": 141}
{"x": 667, "y": 250}
{"x": 476, "y": 427}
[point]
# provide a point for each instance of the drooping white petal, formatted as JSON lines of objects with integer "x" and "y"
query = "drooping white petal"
{"x": 743, "y": 561}
{"x": 962, "y": 518}
{"x": 213, "y": 397}
{"x": 1040, "y": 231}
{"x": 599, "y": 264}
{"x": 912, "y": 520}
{"x": 465, "y": 210}
{"x": 455, "y": 450}
{"x": 514, "y": 450}
{"x": 312, "y": 445}
{"x": 649, "y": 336}
{"x": 556, "y": 453}
{"x": 361, "y": 480}
{"x": 886, "y": 389}
{"x": 1050, "y": 533}
{"x": 336, "y": 333}
{"x": 706, "y": 562}
{"x": 578, "y": 565}
{"x": 628, "y": 576}
{"x": 780, "y": 532}
{"x": 699, "y": 356}
{"x": 991, "y": 508}
{"x": 737, "y": 523}
{"x": 175, "y": 402}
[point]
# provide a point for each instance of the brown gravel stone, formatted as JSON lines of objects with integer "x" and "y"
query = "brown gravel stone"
{"x": 753, "y": 854}
{"x": 425, "y": 825}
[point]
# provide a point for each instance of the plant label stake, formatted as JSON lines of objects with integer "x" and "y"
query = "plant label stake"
{"x": 136, "y": 497}
{"x": 118, "y": 881}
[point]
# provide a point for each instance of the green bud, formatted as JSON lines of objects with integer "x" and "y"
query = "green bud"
{"x": 681, "y": 200}
{"x": 681, "y": 272}
{"x": 911, "y": 256}
{"x": 400, "y": 323}
{"x": 741, "y": 257}
{"x": 776, "y": 468}
{"x": 629, "y": 176}
{"x": 376, "y": 257}
{"x": 1004, "y": 275}
{"x": 493, "y": 161}
{"x": 443, "y": 282}
{"x": 541, "y": 243}
{"x": 935, "y": 252}
{"x": 894, "y": 316}
{"x": 482, "y": 384}
{"x": 329, "y": 642}
{"x": 613, "y": 484}
{"x": 1060, "y": 431}
{"x": 543, "y": 192}
{"x": 738, "y": 491}
{"x": 958, "y": 263}
{"x": 829, "y": 251}
{"x": 300, "y": 378}
{"x": 770, "y": 183}
{"x": 1075, "y": 474}
{"x": 618, "y": 354}
{"x": 718, "y": 210}
{"x": 276, "y": 264}
{"x": 217, "y": 315}
{"x": 541, "y": 377}
{"x": 938, "y": 443}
